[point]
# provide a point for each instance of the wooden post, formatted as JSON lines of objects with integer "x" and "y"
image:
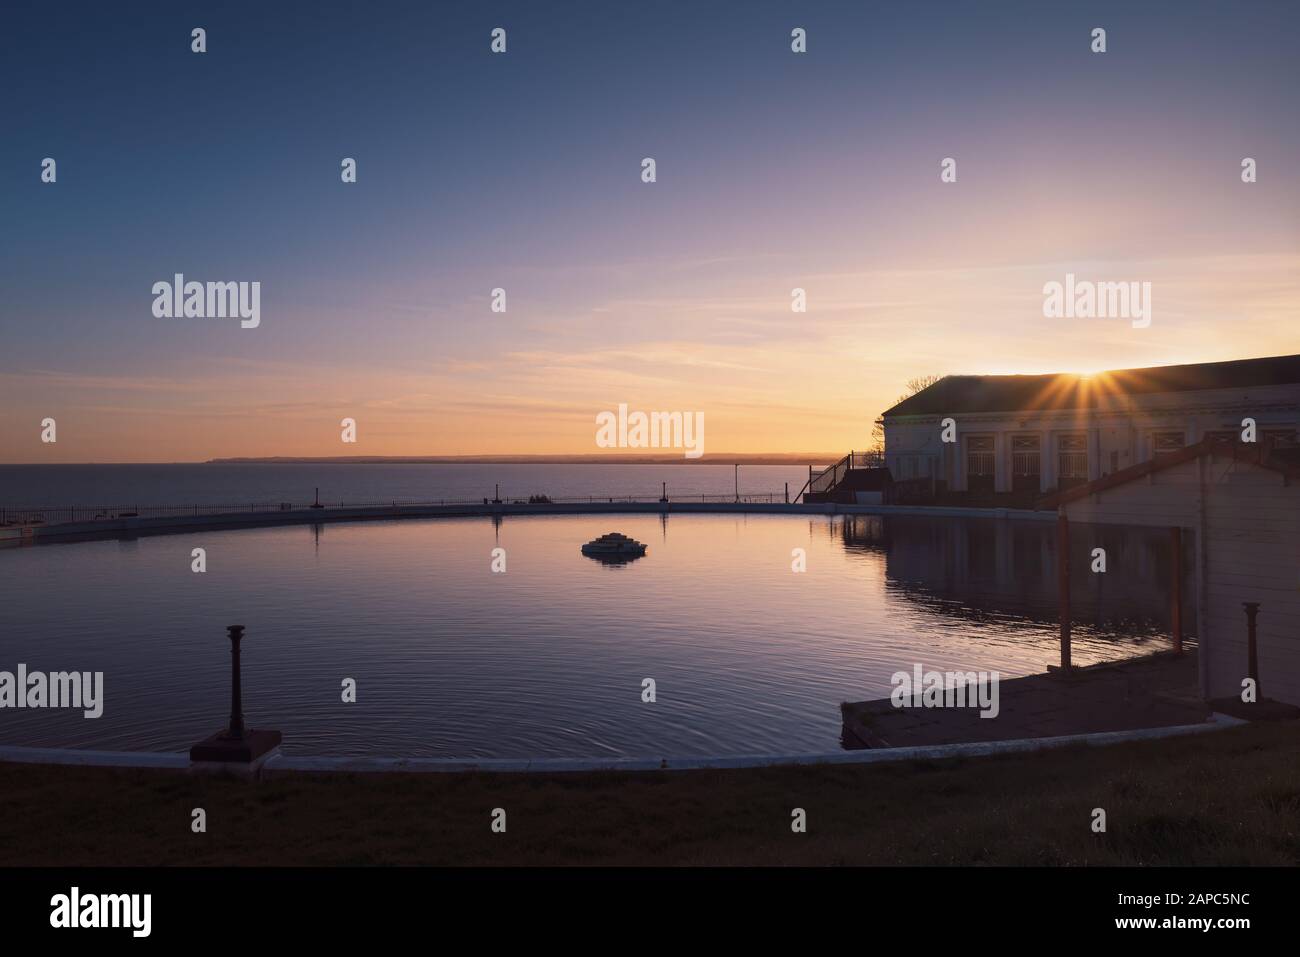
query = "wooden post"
{"x": 1176, "y": 589}
{"x": 1063, "y": 582}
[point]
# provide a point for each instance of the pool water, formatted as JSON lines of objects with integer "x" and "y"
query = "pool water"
{"x": 548, "y": 659}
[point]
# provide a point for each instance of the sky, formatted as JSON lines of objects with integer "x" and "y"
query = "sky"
{"x": 523, "y": 171}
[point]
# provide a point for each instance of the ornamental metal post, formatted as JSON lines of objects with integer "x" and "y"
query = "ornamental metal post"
{"x": 1176, "y": 592}
{"x": 1063, "y": 583}
{"x": 1252, "y": 652}
{"x": 235, "y": 746}
{"x": 236, "y": 729}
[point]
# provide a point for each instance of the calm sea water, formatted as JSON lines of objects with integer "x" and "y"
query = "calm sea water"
{"x": 44, "y": 485}
{"x": 451, "y": 659}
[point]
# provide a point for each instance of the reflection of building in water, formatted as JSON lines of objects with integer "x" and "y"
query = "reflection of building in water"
{"x": 1243, "y": 503}
{"x": 977, "y": 567}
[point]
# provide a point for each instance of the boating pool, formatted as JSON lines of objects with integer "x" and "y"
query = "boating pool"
{"x": 547, "y": 659}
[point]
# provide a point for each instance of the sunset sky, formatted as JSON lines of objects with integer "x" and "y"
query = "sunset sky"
{"x": 775, "y": 170}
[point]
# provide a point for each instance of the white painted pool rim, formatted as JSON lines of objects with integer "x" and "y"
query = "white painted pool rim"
{"x": 279, "y": 763}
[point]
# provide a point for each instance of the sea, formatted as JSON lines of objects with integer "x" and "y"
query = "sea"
{"x": 209, "y": 484}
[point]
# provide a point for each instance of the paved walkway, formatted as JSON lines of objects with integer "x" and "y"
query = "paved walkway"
{"x": 133, "y": 526}
{"x": 1154, "y": 691}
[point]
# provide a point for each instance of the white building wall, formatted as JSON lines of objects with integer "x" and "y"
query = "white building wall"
{"x": 1117, "y": 438}
{"x": 1253, "y": 544}
{"x": 1251, "y": 552}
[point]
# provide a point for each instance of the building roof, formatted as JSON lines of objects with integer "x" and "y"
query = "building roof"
{"x": 1027, "y": 393}
{"x": 1261, "y": 455}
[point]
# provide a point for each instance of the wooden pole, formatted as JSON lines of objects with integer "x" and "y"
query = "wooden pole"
{"x": 1063, "y": 582}
{"x": 1176, "y": 589}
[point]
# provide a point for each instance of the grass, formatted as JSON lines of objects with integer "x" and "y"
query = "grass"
{"x": 1214, "y": 799}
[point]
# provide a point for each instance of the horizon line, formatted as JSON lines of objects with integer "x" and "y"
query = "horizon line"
{"x": 541, "y": 458}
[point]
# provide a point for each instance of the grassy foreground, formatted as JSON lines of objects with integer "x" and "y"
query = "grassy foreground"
{"x": 1222, "y": 798}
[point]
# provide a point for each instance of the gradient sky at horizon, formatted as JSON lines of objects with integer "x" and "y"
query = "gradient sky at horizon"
{"x": 522, "y": 171}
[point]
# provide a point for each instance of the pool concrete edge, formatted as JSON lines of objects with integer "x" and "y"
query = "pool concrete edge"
{"x": 282, "y": 764}
{"x": 179, "y": 524}
{"x": 166, "y": 760}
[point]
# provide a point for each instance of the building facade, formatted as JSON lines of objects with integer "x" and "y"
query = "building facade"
{"x": 1036, "y": 434}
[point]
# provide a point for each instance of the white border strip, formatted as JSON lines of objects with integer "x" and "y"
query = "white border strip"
{"x": 286, "y": 764}
{"x": 96, "y": 759}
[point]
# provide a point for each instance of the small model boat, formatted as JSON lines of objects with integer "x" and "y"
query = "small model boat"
{"x": 614, "y": 545}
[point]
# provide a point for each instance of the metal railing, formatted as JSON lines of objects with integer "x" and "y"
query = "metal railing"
{"x": 916, "y": 491}
{"x": 56, "y": 514}
{"x": 828, "y": 478}
{"x": 866, "y": 460}
{"x": 1072, "y": 465}
{"x": 979, "y": 463}
{"x": 1025, "y": 463}
{"x": 833, "y": 475}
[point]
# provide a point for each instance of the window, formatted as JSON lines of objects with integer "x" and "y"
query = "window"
{"x": 1026, "y": 463}
{"x": 1278, "y": 437}
{"x": 1162, "y": 443}
{"x": 1071, "y": 460}
{"x": 979, "y": 463}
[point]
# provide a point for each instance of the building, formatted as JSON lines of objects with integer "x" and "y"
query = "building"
{"x": 1013, "y": 438}
{"x": 1238, "y": 506}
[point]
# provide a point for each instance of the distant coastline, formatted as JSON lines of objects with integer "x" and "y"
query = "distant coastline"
{"x": 742, "y": 458}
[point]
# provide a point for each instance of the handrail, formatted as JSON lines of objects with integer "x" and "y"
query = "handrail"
{"x": 836, "y": 473}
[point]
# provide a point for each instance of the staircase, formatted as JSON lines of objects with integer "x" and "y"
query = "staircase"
{"x": 841, "y": 482}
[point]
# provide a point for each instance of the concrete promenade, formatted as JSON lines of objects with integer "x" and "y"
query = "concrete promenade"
{"x": 130, "y": 527}
{"x": 1153, "y": 691}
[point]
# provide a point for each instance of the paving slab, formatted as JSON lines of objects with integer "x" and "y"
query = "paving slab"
{"x": 1154, "y": 691}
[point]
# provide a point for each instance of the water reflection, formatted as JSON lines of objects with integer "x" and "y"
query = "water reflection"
{"x": 457, "y": 660}
{"x": 615, "y": 561}
{"x": 975, "y": 568}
